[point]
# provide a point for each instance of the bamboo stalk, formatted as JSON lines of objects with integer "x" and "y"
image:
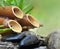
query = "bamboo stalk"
{"x": 11, "y": 12}
{"x": 15, "y": 26}
{"x": 29, "y": 22}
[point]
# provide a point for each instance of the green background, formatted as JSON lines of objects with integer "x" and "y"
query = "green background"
{"x": 47, "y": 12}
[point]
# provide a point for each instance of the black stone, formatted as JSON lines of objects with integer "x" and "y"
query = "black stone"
{"x": 16, "y": 37}
{"x": 30, "y": 41}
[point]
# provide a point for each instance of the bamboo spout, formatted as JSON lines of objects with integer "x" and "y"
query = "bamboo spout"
{"x": 28, "y": 20}
{"x": 15, "y": 26}
{"x": 11, "y": 12}
{"x": 12, "y": 24}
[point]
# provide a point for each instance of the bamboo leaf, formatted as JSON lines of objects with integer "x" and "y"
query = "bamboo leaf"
{"x": 27, "y": 9}
{"x": 4, "y": 30}
{"x": 15, "y": 2}
{"x": 21, "y": 4}
{"x": 1, "y": 26}
{"x": 1, "y": 3}
{"x": 7, "y": 2}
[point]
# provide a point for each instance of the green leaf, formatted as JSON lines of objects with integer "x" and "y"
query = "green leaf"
{"x": 4, "y": 30}
{"x": 15, "y": 2}
{"x": 1, "y": 26}
{"x": 1, "y": 3}
{"x": 21, "y": 4}
{"x": 9, "y": 2}
{"x": 28, "y": 8}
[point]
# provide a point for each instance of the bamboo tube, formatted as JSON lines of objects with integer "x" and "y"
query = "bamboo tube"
{"x": 11, "y": 12}
{"x": 15, "y": 26}
{"x": 29, "y": 21}
{"x": 12, "y": 24}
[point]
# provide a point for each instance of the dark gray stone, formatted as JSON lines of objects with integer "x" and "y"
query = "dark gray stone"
{"x": 54, "y": 40}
